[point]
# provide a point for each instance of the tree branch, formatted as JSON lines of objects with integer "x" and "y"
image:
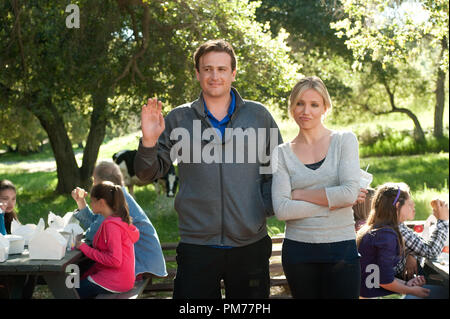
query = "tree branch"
{"x": 132, "y": 64}
{"x": 17, "y": 27}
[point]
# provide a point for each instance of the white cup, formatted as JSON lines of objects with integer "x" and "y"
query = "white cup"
{"x": 365, "y": 179}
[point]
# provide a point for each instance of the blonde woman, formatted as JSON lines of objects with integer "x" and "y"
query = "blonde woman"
{"x": 313, "y": 189}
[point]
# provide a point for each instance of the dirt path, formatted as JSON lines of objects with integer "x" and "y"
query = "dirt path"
{"x": 29, "y": 166}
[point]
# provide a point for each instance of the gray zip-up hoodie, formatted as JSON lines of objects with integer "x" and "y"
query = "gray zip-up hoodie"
{"x": 224, "y": 198}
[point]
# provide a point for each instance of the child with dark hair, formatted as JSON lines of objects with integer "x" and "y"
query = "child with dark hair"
{"x": 113, "y": 245}
{"x": 8, "y": 194}
{"x": 7, "y": 204}
{"x": 381, "y": 244}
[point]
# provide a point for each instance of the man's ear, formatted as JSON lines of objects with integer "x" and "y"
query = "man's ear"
{"x": 197, "y": 75}
{"x": 234, "y": 75}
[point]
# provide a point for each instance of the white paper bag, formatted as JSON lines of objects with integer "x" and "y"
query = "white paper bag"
{"x": 4, "y": 248}
{"x": 429, "y": 227}
{"x": 70, "y": 233}
{"x": 16, "y": 244}
{"x": 70, "y": 219}
{"x": 58, "y": 222}
{"x": 26, "y": 231}
{"x": 55, "y": 221}
{"x": 74, "y": 228}
{"x": 47, "y": 244}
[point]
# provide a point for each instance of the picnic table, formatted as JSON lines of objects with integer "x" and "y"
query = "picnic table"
{"x": 53, "y": 272}
{"x": 440, "y": 265}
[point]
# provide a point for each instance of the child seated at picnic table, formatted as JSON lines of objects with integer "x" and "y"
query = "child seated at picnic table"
{"x": 417, "y": 246}
{"x": 381, "y": 246}
{"x": 7, "y": 204}
{"x": 149, "y": 258}
{"x": 8, "y": 196}
{"x": 113, "y": 245}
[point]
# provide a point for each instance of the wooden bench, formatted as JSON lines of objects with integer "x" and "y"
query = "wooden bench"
{"x": 277, "y": 277}
{"x": 134, "y": 293}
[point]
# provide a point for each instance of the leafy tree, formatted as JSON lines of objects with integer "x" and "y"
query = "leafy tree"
{"x": 78, "y": 81}
{"x": 12, "y": 134}
{"x": 307, "y": 22}
{"x": 391, "y": 34}
{"x": 314, "y": 44}
{"x": 44, "y": 74}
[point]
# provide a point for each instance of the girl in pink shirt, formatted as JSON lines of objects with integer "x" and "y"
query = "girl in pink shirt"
{"x": 113, "y": 245}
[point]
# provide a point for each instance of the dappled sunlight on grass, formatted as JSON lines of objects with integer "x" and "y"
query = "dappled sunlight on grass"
{"x": 129, "y": 141}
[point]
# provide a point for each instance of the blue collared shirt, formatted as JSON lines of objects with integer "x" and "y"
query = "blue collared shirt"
{"x": 220, "y": 128}
{"x": 221, "y": 125}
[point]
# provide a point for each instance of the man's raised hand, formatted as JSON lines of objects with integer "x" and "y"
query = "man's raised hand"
{"x": 152, "y": 122}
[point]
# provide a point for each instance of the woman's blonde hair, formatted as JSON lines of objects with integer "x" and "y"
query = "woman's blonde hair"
{"x": 385, "y": 212}
{"x": 310, "y": 82}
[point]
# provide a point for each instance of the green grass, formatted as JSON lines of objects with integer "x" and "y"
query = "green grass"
{"x": 427, "y": 176}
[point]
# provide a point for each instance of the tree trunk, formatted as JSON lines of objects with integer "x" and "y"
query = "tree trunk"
{"x": 95, "y": 138}
{"x": 66, "y": 165}
{"x": 440, "y": 96}
{"x": 419, "y": 135}
{"x": 69, "y": 174}
{"x": 418, "y": 131}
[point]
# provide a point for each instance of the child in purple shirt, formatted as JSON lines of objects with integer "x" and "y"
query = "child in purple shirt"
{"x": 381, "y": 245}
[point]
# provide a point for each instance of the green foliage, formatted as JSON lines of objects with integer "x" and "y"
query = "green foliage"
{"x": 308, "y": 23}
{"x": 78, "y": 81}
{"x": 314, "y": 44}
{"x": 390, "y": 31}
{"x": 265, "y": 70}
{"x": 386, "y": 141}
{"x": 14, "y": 136}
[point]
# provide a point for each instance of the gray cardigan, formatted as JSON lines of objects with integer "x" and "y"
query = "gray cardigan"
{"x": 338, "y": 174}
{"x": 219, "y": 203}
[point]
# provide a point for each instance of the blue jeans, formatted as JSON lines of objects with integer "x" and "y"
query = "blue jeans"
{"x": 90, "y": 290}
{"x": 315, "y": 279}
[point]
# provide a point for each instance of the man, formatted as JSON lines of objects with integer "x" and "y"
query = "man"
{"x": 224, "y": 195}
